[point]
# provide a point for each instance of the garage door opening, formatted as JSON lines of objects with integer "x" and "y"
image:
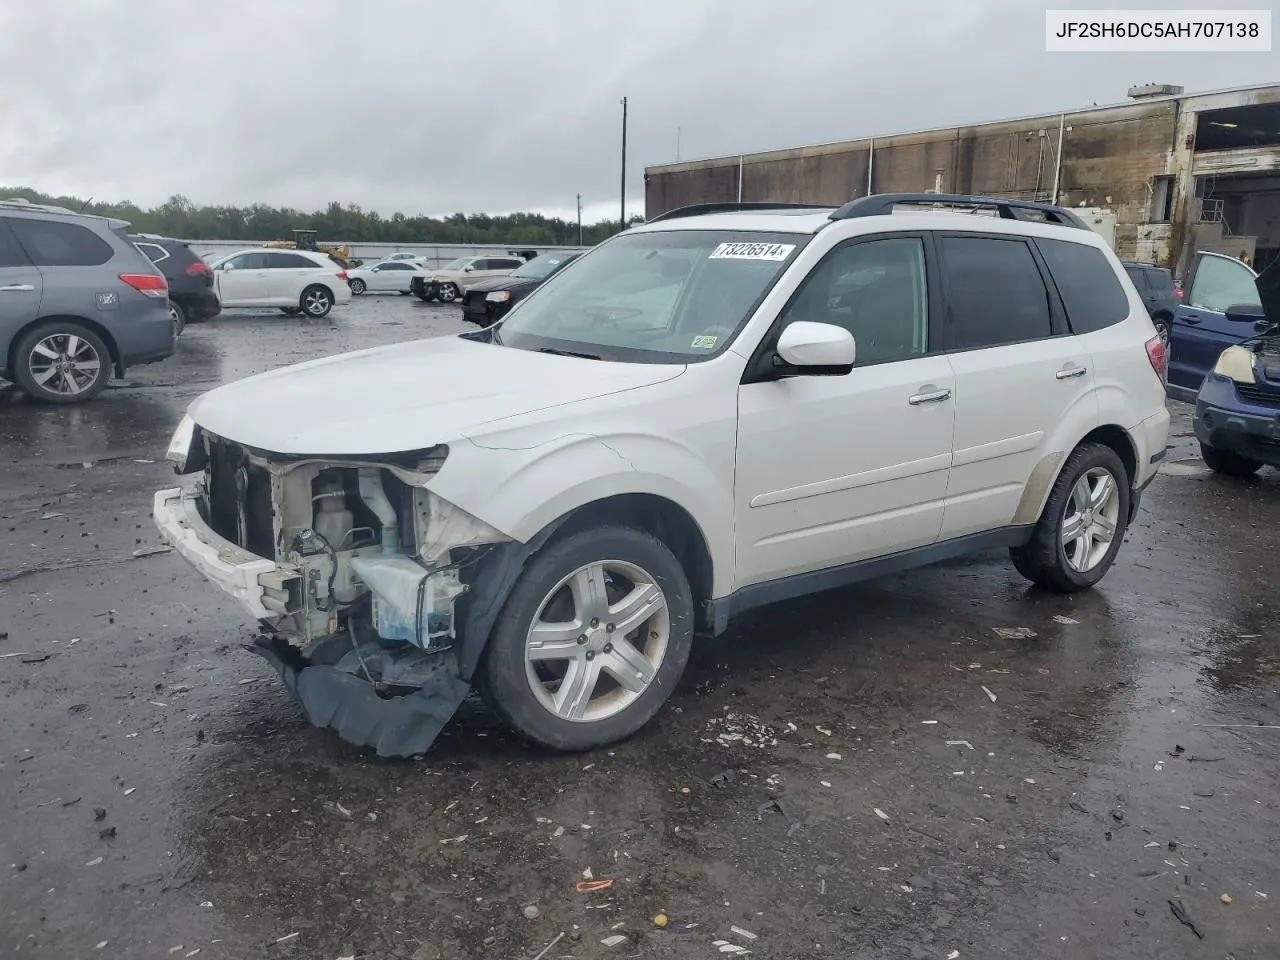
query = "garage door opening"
{"x": 1239, "y": 215}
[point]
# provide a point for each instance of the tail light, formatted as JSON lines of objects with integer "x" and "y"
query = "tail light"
{"x": 199, "y": 269}
{"x": 1177, "y": 293}
{"x": 148, "y": 284}
{"x": 1159, "y": 357}
{"x": 342, "y": 274}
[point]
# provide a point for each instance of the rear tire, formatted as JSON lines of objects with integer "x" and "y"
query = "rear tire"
{"x": 357, "y": 287}
{"x": 523, "y": 680}
{"x": 1082, "y": 525}
{"x": 316, "y": 301}
{"x": 1228, "y": 462}
{"x": 179, "y": 317}
{"x": 1162, "y": 322}
{"x": 61, "y": 362}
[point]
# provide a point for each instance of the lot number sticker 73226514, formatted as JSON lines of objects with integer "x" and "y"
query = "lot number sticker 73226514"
{"x": 752, "y": 251}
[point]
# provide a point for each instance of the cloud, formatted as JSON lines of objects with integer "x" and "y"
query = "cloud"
{"x": 421, "y": 106}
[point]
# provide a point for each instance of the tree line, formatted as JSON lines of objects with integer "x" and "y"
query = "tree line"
{"x": 179, "y": 217}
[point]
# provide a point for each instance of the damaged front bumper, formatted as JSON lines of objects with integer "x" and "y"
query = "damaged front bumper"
{"x": 398, "y": 717}
{"x": 386, "y": 671}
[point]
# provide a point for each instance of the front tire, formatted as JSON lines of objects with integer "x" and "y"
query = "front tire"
{"x": 1083, "y": 523}
{"x": 316, "y": 301}
{"x": 357, "y": 287}
{"x": 61, "y": 362}
{"x": 1228, "y": 462}
{"x": 591, "y": 641}
{"x": 447, "y": 293}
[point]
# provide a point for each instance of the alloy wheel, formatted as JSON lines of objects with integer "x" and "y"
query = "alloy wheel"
{"x": 316, "y": 302}
{"x": 64, "y": 363}
{"x": 597, "y": 641}
{"x": 1091, "y": 519}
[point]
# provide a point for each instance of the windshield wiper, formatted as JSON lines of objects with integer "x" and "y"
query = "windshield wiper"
{"x": 568, "y": 353}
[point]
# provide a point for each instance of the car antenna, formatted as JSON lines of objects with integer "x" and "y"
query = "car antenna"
{"x": 85, "y": 204}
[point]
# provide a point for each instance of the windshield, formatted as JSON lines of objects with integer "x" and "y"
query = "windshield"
{"x": 675, "y": 296}
{"x": 458, "y": 264}
{"x": 542, "y": 267}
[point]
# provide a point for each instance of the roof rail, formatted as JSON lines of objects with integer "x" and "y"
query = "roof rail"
{"x": 25, "y": 204}
{"x": 698, "y": 209}
{"x": 883, "y": 203}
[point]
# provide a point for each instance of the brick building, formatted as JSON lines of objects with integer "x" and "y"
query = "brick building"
{"x": 1170, "y": 172}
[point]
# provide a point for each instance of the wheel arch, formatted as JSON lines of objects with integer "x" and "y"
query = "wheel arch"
{"x": 1047, "y": 471}
{"x": 661, "y": 517}
{"x": 95, "y": 326}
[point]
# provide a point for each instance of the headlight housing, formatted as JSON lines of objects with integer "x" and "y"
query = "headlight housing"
{"x": 498, "y": 296}
{"x": 1236, "y": 363}
{"x": 180, "y": 446}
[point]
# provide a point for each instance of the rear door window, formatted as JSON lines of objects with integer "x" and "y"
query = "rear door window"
{"x": 1138, "y": 276}
{"x": 11, "y": 254}
{"x": 52, "y": 243}
{"x": 1089, "y": 289}
{"x": 994, "y": 293}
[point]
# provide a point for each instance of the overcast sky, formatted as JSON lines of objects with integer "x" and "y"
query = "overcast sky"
{"x": 438, "y": 106}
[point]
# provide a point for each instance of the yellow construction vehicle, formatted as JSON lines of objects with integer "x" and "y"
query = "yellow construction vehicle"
{"x": 306, "y": 240}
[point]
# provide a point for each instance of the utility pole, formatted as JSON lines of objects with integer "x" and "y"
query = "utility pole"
{"x": 579, "y": 219}
{"x": 623, "y": 217}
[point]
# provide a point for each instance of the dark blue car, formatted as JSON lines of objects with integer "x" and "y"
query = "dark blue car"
{"x": 1224, "y": 355}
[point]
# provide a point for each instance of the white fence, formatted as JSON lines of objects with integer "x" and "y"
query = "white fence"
{"x": 435, "y": 254}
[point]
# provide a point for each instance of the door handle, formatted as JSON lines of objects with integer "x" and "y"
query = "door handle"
{"x": 1069, "y": 373}
{"x": 937, "y": 396}
{"x": 18, "y": 288}
{"x": 1191, "y": 321}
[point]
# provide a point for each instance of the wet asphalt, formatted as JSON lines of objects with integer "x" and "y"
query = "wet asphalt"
{"x": 882, "y": 771}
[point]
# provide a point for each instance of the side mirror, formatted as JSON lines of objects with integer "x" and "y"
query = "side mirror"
{"x": 1246, "y": 313}
{"x": 468, "y": 269}
{"x": 816, "y": 349}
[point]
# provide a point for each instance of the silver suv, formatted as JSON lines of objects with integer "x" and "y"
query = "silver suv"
{"x": 77, "y": 301}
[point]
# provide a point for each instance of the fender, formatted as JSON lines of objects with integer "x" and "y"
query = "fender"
{"x": 520, "y": 491}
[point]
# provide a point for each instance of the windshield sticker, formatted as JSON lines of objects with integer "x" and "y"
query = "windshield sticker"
{"x": 704, "y": 343}
{"x": 752, "y": 251}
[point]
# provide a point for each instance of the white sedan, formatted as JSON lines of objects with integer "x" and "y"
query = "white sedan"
{"x": 388, "y": 276}
{"x": 296, "y": 281}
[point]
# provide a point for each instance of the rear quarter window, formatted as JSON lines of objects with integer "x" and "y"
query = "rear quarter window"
{"x": 51, "y": 243}
{"x": 1090, "y": 291}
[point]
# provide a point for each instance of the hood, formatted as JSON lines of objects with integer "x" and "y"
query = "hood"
{"x": 504, "y": 283}
{"x": 407, "y": 396}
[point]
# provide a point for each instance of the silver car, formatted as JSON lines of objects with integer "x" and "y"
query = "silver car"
{"x": 78, "y": 301}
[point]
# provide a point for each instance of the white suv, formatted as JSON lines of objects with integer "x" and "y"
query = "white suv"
{"x": 296, "y": 281}
{"x": 718, "y": 409}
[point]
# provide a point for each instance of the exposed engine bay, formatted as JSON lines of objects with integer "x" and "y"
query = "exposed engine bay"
{"x": 369, "y": 569}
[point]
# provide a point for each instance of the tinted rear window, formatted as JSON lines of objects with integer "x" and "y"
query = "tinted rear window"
{"x": 1088, "y": 286}
{"x": 11, "y": 254}
{"x": 1161, "y": 280}
{"x": 995, "y": 293}
{"x": 52, "y": 243}
{"x": 290, "y": 261}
